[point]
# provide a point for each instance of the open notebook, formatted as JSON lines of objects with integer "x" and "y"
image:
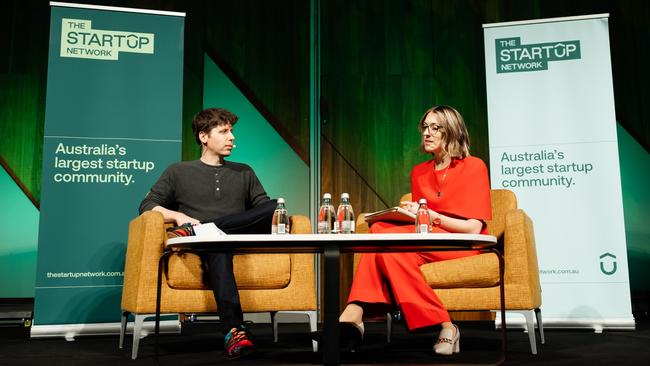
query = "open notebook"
{"x": 397, "y": 214}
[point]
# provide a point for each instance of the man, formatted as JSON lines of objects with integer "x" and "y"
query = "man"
{"x": 229, "y": 194}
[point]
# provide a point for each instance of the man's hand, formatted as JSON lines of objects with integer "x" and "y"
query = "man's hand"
{"x": 182, "y": 218}
{"x": 174, "y": 216}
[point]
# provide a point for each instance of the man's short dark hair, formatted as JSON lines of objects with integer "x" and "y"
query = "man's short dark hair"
{"x": 210, "y": 118}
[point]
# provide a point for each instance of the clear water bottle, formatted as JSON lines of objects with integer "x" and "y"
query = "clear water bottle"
{"x": 344, "y": 216}
{"x": 280, "y": 223}
{"x": 422, "y": 218}
{"x": 326, "y": 215}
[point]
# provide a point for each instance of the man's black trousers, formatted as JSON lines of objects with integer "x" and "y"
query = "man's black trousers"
{"x": 218, "y": 266}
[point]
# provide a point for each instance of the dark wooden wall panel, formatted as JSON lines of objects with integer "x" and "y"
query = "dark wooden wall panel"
{"x": 400, "y": 58}
{"x": 24, "y": 41}
{"x": 265, "y": 44}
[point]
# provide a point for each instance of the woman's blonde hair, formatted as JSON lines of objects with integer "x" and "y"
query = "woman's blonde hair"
{"x": 455, "y": 139}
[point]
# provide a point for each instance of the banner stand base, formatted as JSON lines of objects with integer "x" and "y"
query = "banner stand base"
{"x": 596, "y": 324}
{"x": 70, "y": 331}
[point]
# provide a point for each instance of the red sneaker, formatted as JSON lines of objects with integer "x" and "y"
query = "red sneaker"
{"x": 238, "y": 342}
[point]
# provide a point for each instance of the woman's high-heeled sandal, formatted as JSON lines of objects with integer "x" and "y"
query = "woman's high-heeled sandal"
{"x": 447, "y": 344}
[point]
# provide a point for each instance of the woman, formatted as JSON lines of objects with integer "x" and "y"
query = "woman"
{"x": 457, "y": 190}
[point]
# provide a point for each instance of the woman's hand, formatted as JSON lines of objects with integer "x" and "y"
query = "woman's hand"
{"x": 409, "y": 206}
{"x": 450, "y": 224}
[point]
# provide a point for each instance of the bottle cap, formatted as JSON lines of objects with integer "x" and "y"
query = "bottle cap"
{"x": 345, "y": 195}
{"x": 280, "y": 200}
{"x": 422, "y": 200}
{"x": 327, "y": 195}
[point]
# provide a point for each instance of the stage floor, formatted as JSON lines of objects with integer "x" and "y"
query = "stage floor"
{"x": 199, "y": 344}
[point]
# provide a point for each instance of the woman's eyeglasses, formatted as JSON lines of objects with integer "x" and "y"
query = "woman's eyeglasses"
{"x": 433, "y": 128}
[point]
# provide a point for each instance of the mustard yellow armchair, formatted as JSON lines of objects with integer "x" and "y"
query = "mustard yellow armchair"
{"x": 472, "y": 283}
{"x": 274, "y": 283}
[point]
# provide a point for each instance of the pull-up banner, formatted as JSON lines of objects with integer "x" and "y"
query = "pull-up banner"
{"x": 552, "y": 132}
{"x": 112, "y": 125}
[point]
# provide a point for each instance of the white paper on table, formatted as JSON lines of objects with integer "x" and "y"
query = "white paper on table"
{"x": 208, "y": 229}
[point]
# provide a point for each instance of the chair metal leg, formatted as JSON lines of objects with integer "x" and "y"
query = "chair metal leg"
{"x": 125, "y": 317}
{"x": 389, "y": 327}
{"x": 540, "y": 324}
{"x": 313, "y": 323}
{"x": 274, "y": 324}
{"x": 137, "y": 334}
{"x": 313, "y": 326}
{"x": 530, "y": 327}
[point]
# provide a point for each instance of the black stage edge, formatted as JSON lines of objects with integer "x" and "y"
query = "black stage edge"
{"x": 200, "y": 344}
{"x": 16, "y": 311}
{"x": 640, "y": 304}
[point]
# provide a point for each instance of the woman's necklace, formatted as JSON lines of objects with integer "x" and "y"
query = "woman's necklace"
{"x": 442, "y": 181}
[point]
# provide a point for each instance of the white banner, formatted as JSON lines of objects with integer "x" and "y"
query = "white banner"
{"x": 553, "y": 142}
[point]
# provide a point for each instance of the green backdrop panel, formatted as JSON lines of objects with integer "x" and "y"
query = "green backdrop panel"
{"x": 18, "y": 244}
{"x": 635, "y": 179}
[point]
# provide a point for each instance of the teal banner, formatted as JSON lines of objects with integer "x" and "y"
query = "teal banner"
{"x": 112, "y": 125}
